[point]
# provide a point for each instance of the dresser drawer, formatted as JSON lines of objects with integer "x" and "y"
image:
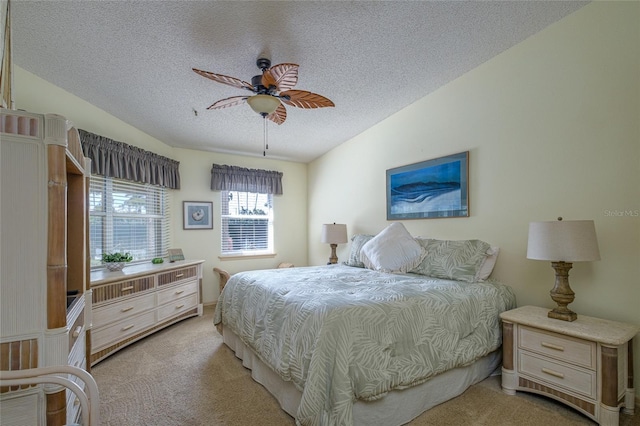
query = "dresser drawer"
{"x": 177, "y": 307}
{"x": 564, "y": 348}
{"x": 177, "y": 292}
{"x": 121, "y": 310}
{"x": 117, "y": 332}
{"x": 120, "y": 289}
{"x": 577, "y": 380}
{"x": 176, "y": 275}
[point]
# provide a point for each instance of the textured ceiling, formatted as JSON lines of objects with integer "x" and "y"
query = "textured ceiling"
{"x": 133, "y": 59}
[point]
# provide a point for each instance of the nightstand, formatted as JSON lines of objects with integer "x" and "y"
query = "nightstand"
{"x": 586, "y": 364}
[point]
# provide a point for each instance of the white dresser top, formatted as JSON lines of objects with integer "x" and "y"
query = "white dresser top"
{"x": 607, "y": 332}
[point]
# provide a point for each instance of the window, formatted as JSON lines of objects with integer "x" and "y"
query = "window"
{"x": 125, "y": 216}
{"x": 246, "y": 223}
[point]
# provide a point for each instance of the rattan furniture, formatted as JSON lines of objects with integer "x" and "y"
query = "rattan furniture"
{"x": 45, "y": 296}
{"x": 586, "y": 364}
{"x": 140, "y": 300}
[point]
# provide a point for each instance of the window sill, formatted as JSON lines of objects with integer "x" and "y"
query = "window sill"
{"x": 247, "y": 256}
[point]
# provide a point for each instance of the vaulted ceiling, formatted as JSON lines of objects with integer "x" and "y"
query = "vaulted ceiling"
{"x": 133, "y": 59}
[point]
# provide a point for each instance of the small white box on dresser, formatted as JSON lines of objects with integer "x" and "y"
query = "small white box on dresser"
{"x": 586, "y": 364}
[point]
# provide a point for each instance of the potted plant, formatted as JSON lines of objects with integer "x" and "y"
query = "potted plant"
{"x": 115, "y": 261}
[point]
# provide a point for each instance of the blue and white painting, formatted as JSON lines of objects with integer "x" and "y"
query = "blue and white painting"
{"x": 433, "y": 188}
{"x": 198, "y": 215}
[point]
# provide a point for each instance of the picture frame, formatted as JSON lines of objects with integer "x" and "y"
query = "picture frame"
{"x": 197, "y": 214}
{"x": 175, "y": 254}
{"x": 436, "y": 188}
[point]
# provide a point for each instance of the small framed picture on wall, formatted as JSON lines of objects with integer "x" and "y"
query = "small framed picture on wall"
{"x": 198, "y": 214}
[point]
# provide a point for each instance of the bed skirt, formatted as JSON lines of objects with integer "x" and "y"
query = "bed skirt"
{"x": 396, "y": 408}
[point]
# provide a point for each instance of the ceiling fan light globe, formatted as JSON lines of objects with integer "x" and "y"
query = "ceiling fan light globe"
{"x": 263, "y": 104}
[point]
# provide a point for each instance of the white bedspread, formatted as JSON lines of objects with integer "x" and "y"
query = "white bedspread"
{"x": 340, "y": 333}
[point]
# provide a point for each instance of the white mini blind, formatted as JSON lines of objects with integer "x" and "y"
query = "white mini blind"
{"x": 126, "y": 216}
{"x": 246, "y": 223}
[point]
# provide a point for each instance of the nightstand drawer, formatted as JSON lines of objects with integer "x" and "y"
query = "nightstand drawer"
{"x": 564, "y": 348}
{"x": 576, "y": 380}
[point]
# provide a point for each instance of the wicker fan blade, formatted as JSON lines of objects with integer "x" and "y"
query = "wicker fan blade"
{"x": 228, "y": 102}
{"x": 304, "y": 99}
{"x": 283, "y": 76}
{"x": 224, "y": 79}
{"x": 279, "y": 115}
{"x": 268, "y": 79}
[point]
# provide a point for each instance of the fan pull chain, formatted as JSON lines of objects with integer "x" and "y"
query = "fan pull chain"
{"x": 265, "y": 141}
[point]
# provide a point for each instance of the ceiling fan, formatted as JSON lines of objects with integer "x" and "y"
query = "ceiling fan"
{"x": 272, "y": 89}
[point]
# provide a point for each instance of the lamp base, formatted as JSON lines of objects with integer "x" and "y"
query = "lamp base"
{"x": 562, "y": 293}
{"x": 557, "y": 313}
{"x": 334, "y": 257}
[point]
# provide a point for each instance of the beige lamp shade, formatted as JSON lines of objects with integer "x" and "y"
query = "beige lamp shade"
{"x": 563, "y": 241}
{"x": 263, "y": 104}
{"x": 334, "y": 233}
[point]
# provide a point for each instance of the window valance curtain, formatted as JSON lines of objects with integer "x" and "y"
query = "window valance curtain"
{"x": 232, "y": 178}
{"x": 118, "y": 160}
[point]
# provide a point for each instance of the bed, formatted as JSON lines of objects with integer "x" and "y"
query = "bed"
{"x": 347, "y": 344}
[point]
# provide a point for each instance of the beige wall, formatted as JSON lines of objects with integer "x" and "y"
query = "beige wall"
{"x": 553, "y": 129}
{"x": 290, "y": 209}
{"x": 290, "y": 213}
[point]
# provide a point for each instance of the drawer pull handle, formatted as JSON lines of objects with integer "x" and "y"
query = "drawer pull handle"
{"x": 126, "y": 309}
{"x": 179, "y": 275}
{"x": 127, "y": 327}
{"x": 552, "y": 346}
{"x": 553, "y": 373}
{"x": 77, "y": 331}
{"x": 127, "y": 288}
{"x": 179, "y": 306}
{"x": 179, "y": 291}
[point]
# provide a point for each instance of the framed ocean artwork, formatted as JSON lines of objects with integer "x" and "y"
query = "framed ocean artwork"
{"x": 436, "y": 188}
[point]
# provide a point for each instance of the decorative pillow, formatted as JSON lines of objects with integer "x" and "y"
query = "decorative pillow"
{"x": 357, "y": 241}
{"x": 454, "y": 260}
{"x": 392, "y": 250}
{"x": 488, "y": 264}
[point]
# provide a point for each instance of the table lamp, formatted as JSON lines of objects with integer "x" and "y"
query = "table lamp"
{"x": 563, "y": 242}
{"x": 334, "y": 234}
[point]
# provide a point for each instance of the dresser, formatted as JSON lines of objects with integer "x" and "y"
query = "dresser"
{"x": 141, "y": 299}
{"x": 586, "y": 364}
{"x": 44, "y": 270}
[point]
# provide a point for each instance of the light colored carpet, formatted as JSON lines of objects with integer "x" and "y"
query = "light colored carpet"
{"x": 184, "y": 375}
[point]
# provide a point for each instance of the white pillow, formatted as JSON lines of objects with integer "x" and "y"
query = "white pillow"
{"x": 489, "y": 262}
{"x": 392, "y": 250}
